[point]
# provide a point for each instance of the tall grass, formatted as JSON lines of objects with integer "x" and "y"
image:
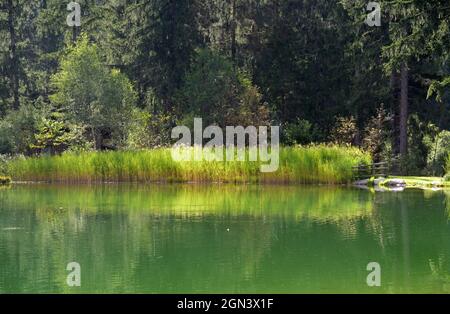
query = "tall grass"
{"x": 447, "y": 168}
{"x": 311, "y": 164}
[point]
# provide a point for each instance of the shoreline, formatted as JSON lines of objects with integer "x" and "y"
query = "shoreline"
{"x": 404, "y": 182}
{"x": 381, "y": 184}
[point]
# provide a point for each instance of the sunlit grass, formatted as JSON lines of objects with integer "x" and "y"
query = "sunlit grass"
{"x": 312, "y": 164}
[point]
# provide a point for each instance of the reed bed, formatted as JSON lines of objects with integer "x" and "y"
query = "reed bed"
{"x": 323, "y": 164}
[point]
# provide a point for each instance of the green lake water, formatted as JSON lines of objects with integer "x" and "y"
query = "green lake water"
{"x": 222, "y": 239}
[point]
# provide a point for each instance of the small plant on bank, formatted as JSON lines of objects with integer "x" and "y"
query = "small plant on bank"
{"x": 5, "y": 180}
{"x": 447, "y": 178}
{"x": 447, "y": 168}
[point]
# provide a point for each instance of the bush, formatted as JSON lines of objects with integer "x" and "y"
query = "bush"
{"x": 220, "y": 94}
{"x": 299, "y": 132}
{"x": 439, "y": 150}
{"x": 447, "y": 168}
{"x": 210, "y": 89}
{"x": 344, "y": 131}
{"x": 416, "y": 161}
{"x": 55, "y": 135}
{"x": 4, "y": 165}
{"x": 150, "y": 130}
{"x": 377, "y": 134}
{"x": 93, "y": 95}
{"x": 251, "y": 109}
{"x": 17, "y": 129}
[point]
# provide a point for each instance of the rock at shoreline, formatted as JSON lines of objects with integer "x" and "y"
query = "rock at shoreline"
{"x": 390, "y": 183}
{"x": 364, "y": 182}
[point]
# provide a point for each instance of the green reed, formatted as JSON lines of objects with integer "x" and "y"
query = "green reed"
{"x": 325, "y": 164}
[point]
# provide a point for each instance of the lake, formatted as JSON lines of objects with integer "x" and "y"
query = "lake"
{"x": 222, "y": 239}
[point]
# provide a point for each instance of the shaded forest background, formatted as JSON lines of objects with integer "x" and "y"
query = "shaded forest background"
{"x": 135, "y": 69}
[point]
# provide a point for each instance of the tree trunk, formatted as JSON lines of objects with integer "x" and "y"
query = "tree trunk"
{"x": 404, "y": 74}
{"x": 233, "y": 32}
{"x": 14, "y": 68}
{"x": 74, "y": 34}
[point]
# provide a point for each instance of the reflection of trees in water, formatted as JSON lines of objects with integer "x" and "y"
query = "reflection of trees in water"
{"x": 440, "y": 274}
{"x": 173, "y": 233}
{"x": 447, "y": 202}
{"x": 412, "y": 227}
{"x": 440, "y": 267}
{"x": 175, "y": 238}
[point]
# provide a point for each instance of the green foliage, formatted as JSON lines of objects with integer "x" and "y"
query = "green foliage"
{"x": 299, "y": 132}
{"x": 439, "y": 149}
{"x": 93, "y": 95}
{"x": 251, "y": 110}
{"x": 416, "y": 160}
{"x": 438, "y": 88}
{"x": 211, "y": 88}
{"x": 157, "y": 40}
{"x": 56, "y": 136}
{"x": 311, "y": 164}
{"x": 447, "y": 168}
{"x": 300, "y": 63}
{"x": 150, "y": 130}
{"x": 377, "y": 133}
{"x": 298, "y": 51}
{"x": 216, "y": 91}
{"x": 411, "y": 30}
{"x": 4, "y": 159}
{"x": 345, "y": 130}
{"x": 447, "y": 178}
{"x": 17, "y": 129}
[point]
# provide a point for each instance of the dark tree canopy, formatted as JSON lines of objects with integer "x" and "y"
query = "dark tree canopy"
{"x": 307, "y": 65}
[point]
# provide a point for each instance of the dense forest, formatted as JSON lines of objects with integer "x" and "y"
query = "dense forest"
{"x": 135, "y": 69}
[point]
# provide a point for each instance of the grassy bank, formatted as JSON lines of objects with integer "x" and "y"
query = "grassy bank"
{"x": 312, "y": 164}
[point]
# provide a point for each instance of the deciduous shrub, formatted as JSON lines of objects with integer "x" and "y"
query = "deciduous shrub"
{"x": 439, "y": 150}
{"x": 300, "y": 131}
{"x": 377, "y": 134}
{"x": 220, "y": 94}
{"x": 345, "y": 131}
{"x": 18, "y": 128}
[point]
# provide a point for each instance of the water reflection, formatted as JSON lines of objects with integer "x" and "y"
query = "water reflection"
{"x": 184, "y": 238}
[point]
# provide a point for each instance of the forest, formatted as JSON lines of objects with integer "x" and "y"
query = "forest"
{"x": 135, "y": 69}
